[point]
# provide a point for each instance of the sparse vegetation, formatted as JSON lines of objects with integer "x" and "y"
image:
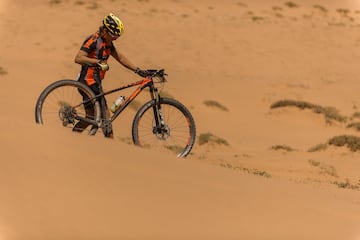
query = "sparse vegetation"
{"x": 318, "y": 147}
{"x": 355, "y": 125}
{"x": 126, "y": 140}
{"x": 356, "y": 115}
{"x": 174, "y": 148}
{"x": 79, "y": 2}
{"x": 206, "y": 138}
{"x": 53, "y": 2}
{"x": 247, "y": 170}
{"x": 328, "y": 170}
{"x": 276, "y": 8}
{"x": 215, "y": 104}
{"x": 343, "y": 12}
{"x": 241, "y": 4}
{"x": 260, "y": 173}
{"x": 282, "y": 147}
{"x": 347, "y": 185}
{"x": 257, "y": 18}
{"x": 330, "y": 113}
{"x": 349, "y": 141}
{"x": 352, "y": 142}
{"x": 324, "y": 168}
{"x": 3, "y": 71}
{"x": 291, "y": 5}
{"x": 154, "y": 10}
{"x": 321, "y": 8}
{"x": 314, "y": 163}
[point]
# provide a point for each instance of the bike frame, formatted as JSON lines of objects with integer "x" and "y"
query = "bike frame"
{"x": 146, "y": 82}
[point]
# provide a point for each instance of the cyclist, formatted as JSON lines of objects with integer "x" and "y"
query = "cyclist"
{"x": 93, "y": 56}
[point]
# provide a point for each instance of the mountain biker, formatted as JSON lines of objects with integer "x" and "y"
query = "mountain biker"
{"x": 93, "y": 56}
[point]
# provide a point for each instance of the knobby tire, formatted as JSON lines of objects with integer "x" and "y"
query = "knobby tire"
{"x": 58, "y": 95}
{"x": 179, "y": 123}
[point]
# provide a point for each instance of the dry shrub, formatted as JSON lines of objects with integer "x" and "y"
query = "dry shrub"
{"x": 351, "y": 142}
{"x": 324, "y": 168}
{"x": 321, "y": 8}
{"x": 343, "y": 12}
{"x": 356, "y": 115}
{"x": 291, "y": 5}
{"x": 254, "y": 171}
{"x": 257, "y": 18}
{"x": 241, "y": 4}
{"x": 3, "y": 71}
{"x": 52, "y": 2}
{"x": 330, "y": 113}
{"x": 347, "y": 185}
{"x": 79, "y": 2}
{"x": 206, "y": 138}
{"x": 215, "y": 104}
{"x": 318, "y": 147}
{"x": 282, "y": 147}
{"x": 355, "y": 125}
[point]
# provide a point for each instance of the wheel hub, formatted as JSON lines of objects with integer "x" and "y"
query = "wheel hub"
{"x": 67, "y": 115}
{"x": 162, "y": 132}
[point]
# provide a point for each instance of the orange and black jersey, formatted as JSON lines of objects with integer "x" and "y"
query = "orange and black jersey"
{"x": 96, "y": 48}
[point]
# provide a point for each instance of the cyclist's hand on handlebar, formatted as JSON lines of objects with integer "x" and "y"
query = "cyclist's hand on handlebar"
{"x": 104, "y": 66}
{"x": 141, "y": 73}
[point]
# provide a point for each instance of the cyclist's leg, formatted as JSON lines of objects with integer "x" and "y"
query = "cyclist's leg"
{"x": 95, "y": 88}
{"x": 105, "y": 114}
{"x": 89, "y": 110}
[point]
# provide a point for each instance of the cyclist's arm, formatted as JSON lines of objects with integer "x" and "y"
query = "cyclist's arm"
{"x": 82, "y": 58}
{"x": 123, "y": 60}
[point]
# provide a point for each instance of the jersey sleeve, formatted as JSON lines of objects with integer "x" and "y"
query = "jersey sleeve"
{"x": 89, "y": 44}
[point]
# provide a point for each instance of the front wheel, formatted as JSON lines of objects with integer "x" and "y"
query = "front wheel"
{"x": 175, "y": 131}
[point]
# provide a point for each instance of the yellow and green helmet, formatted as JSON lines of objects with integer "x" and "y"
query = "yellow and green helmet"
{"x": 113, "y": 24}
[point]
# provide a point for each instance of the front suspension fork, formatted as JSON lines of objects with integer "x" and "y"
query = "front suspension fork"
{"x": 158, "y": 115}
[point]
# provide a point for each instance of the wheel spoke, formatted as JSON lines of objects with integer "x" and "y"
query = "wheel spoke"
{"x": 61, "y": 102}
{"x": 177, "y": 135}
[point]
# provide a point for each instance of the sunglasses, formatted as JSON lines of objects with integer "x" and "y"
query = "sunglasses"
{"x": 114, "y": 37}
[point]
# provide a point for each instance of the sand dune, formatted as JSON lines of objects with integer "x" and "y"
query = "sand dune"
{"x": 262, "y": 182}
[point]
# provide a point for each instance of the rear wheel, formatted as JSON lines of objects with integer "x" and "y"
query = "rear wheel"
{"x": 176, "y": 134}
{"x": 61, "y": 104}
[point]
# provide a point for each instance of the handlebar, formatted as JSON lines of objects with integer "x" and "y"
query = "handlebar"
{"x": 157, "y": 73}
{"x": 151, "y": 73}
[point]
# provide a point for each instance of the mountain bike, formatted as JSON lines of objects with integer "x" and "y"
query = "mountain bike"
{"x": 161, "y": 123}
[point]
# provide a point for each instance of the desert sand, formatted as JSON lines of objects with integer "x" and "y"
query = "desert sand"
{"x": 271, "y": 175}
